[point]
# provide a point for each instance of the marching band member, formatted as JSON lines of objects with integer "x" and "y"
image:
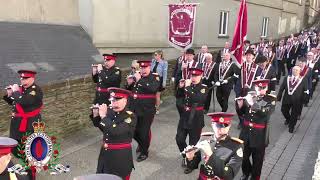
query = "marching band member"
{"x": 184, "y": 74}
{"x": 256, "y": 110}
{"x": 223, "y": 156}
{"x": 117, "y": 125}
{"x": 105, "y": 75}
{"x": 143, "y": 104}
{"x": 191, "y": 121}
{"x": 27, "y": 104}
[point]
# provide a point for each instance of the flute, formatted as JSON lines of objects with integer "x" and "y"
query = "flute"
{"x": 9, "y": 87}
{"x": 95, "y": 65}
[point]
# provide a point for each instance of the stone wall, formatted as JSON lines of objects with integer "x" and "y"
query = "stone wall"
{"x": 66, "y": 105}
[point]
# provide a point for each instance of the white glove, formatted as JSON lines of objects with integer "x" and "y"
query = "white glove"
{"x": 217, "y": 83}
{"x": 224, "y": 81}
{"x": 172, "y": 79}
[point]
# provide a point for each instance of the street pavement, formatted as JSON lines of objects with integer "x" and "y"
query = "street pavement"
{"x": 288, "y": 156}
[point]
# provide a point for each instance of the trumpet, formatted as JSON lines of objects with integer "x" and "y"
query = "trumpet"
{"x": 212, "y": 139}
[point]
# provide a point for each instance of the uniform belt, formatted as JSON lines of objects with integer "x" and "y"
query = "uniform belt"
{"x": 102, "y": 89}
{"x": 254, "y": 125}
{"x": 115, "y": 146}
{"x": 25, "y": 116}
{"x": 144, "y": 96}
{"x": 204, "y": 177}
{"x": 199, "y": 108}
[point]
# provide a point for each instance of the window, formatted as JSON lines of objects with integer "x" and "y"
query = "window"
{"x": 265, "y": 24}
{"x": 224, "y": 18}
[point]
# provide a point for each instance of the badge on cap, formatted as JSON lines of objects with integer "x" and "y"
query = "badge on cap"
{"x": 221, "y": 120}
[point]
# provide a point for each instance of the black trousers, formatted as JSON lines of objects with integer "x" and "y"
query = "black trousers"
{"x": 255, "y": 167}
{"x": 281, "y": 70}
{"x": 291, "y": 113}
{"x": 290, "y": 64}
{"x": 142, "y": 133}
{"x": 208, "y": 100}
{"x": 223, "y": 93}
{"x": 194, "y": 136}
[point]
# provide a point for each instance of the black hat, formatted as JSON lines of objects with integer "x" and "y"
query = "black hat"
{"x": 261, "y": 59}
{"x": 247, "y": 42}
{"x": 250, "y": 51}
{"x": 190, "y": 51}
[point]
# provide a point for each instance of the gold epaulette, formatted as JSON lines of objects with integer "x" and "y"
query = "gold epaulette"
{"x": 237, "y": 140}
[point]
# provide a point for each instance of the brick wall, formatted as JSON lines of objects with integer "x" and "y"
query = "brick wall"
{"x": 66, "y": 105}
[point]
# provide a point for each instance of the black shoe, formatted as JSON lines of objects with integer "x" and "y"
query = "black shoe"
{"x": 188, "y": 170}
{"x": 306, "y": 105}
{"x": 183, "y": 163}
{"x": 142, "y": 157}
{"x": 291, "y": 129}
{"x": 244, "y": 177}
{"x": 286, "y": 122}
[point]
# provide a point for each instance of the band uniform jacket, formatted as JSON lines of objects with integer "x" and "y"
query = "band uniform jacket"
{"x": 194, "y": 95}
{"x": 117, "y": 128}
{"x": 225, "y": 161}
{"x": 291, "y": 95}
{"x": 6, "y": 175}
{"x": 231, "y": 74}
{"x": 106, "y": 78}
{"x": 147, "y": 86}
{"x": 268, "y": 73}
{"x": 255, "y": 131}
{"x": 26, "y": 102}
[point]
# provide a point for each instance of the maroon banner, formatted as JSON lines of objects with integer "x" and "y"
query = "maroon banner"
{"x": 181, "y": 25}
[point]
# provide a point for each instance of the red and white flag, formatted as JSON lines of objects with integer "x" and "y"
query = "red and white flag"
{"x": 181, "y": 25}
{"x": 240, "y": 32}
